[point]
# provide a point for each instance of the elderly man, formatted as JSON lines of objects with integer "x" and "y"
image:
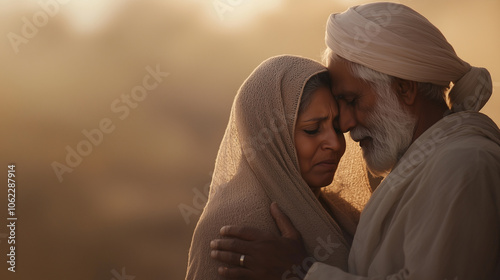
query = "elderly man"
{"x": 437, "y": 213}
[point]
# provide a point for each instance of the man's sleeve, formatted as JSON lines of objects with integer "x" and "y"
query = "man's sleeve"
{"x": 321, "y": 271}
{"x": 455, "y": 231}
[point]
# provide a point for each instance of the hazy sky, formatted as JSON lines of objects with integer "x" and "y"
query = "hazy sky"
{"x": 68, "y": 72}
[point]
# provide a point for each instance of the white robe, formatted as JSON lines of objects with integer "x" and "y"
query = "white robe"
{"x": 437, "y": 214}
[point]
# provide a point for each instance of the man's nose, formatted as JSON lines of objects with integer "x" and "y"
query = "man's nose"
{"x": 347, "y": 119}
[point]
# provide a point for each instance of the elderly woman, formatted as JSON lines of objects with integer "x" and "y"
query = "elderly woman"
{"x": 282, "y": 144}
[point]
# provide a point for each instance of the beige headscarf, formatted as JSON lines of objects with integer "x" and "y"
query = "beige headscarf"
{"x": 396, "y": 40}
{"x": 257, "y": 165}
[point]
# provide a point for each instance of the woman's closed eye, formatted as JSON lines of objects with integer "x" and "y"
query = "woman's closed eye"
{"x": 311, "y": 131}
{"x": 315, "y": 130}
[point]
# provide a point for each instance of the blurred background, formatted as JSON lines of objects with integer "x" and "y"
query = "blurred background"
{"x": 113, "y": 111}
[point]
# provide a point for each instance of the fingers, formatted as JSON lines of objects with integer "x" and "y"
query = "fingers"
{"x": 284, "y": 224}
{"x": 242, "y": 232}
{"x": 230, "y": 258}
{"x": 233, "y": 245}
{"x": 235, "y": 273}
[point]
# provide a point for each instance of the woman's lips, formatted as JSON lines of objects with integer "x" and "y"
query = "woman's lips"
{"x": 327, "y": 163}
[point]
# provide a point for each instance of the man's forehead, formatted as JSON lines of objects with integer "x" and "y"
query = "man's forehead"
{"x": 344, "y": 83}
{"x": 342, "y": 87}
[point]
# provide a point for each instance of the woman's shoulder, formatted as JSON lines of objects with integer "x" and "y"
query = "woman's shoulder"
{"x": 239, "y": 203}
{"x": 242, "y": 204}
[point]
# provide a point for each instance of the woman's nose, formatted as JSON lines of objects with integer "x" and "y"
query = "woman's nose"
{"x": 332, "y": 140}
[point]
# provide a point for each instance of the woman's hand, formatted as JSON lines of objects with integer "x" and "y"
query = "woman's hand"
{"x": 266, "y": 256}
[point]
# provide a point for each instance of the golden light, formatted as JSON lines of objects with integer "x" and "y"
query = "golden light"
{"x": 236, "y": 13}
{"x": 90, "y": 15}
{"x": 64, "y": 62}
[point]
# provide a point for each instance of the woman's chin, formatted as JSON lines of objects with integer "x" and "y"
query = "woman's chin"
{"x": 320, "y": 179}
{"x": 316, "y": 189}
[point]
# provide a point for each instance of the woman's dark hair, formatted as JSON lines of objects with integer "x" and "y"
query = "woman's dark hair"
{"x": 316, "y": 82}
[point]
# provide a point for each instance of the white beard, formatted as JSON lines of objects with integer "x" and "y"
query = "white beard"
{"x": 391, "y": 129}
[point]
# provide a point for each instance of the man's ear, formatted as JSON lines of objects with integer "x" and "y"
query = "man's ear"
{"x": 406, "y": 90}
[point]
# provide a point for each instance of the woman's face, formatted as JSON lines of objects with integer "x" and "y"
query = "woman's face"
{"x": 318, "y": 140}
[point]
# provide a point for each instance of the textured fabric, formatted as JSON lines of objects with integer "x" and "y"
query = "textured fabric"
{"x": 257, "y": 165}
{"x": 396, "y": 40}
{"x": 437, "y": 214}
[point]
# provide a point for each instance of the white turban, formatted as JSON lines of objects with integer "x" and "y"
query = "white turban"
{"x": 396, "y": 40}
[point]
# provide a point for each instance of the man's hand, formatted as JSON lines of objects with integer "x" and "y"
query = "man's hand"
{"x": 267, "y": 256}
